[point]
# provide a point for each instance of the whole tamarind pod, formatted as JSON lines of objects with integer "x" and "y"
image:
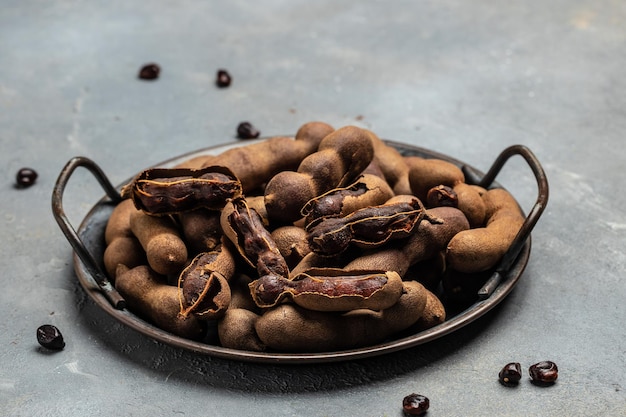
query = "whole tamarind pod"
{"x": 330, "y": 289}
{"x": 341, "y": 157}
{"x": 367, "y": 190}
{"x": 201, "y": 230}
{"x": 392, "y": 165}
{"x": 244, "y": 227}
{"x": 147, "y": 294}
{"x": 162, "y": 191}
{"x": 425, "y": 174}
{"x": 481, "y": 248}
{"x": 118, "y": 224}
{"x": 236, "y": 330}
{"x": 254, "y": 164}
{"x": 291, "y": 328}
{"x": 165, "y": 250}
{"x": 203, "y": 284}
{"x": 426, "y": 242}
{"x": 292, "y": 243}
{"x": 368, "y": 227}
{"x": 125, "y": 250}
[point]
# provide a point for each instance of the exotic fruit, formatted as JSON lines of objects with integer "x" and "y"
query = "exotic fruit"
{"x": 162, "y": 191}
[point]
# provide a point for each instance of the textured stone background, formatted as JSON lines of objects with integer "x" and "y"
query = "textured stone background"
{"x": 466, "y": 79}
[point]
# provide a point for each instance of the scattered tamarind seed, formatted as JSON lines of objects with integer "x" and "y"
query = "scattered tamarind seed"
{"x": 415, "y": 404}
{"x": 246, "y": 130}
{"x": 442, "y": 196}
{"x": 149, "y": 72}
{"x": 223, "y": 78}
{"x": 544, "y": 373}
{"x": 50, "y": 337}
{"x": 25, "y": 177}
{"x": 510, "y": 374}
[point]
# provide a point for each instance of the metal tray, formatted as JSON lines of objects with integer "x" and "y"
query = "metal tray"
{"x": 88, "y": 244}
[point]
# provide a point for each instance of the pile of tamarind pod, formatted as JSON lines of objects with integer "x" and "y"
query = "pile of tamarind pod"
{"x": 326, "y": 241}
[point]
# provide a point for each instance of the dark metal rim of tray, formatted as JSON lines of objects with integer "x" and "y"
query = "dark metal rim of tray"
{"x": 87, "y": 243}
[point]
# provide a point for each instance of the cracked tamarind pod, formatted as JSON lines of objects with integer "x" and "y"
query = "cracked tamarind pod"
{"x": 341, "y": 157}
{"x": 424, "y": 243}
{"x": 163, "y": 191}
{"x": 255, "y": 164}
{"x": 330, "y": 289}
{"x": 426, "y": 173}
{"x": 367, "y": 190}
{"x": 203, "y": 284}
{"x": 245, "y": 229}
{"x": 290, "y": 328}
{"x": 369, "y": 227}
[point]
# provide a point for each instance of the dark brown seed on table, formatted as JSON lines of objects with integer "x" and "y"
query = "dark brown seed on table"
{"x": 25, "y": 177}
{"x": 544, "y": 372}
{"x": 415, "y": 404}
{"x": 149, "y": 72}
{"x": 511, "y": 374}
{"x": 245, "y": 130}
{"x": 50, "y": 337}
{"x": 223, "y": 78}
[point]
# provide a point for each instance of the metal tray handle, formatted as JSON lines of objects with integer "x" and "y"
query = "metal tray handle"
{"x": 83, "y": 253}
{"x": 531, "y": 219}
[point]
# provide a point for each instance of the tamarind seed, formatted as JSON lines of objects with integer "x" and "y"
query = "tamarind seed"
{"x": 544, "y": 373}
{"x": 442, "y": 196}
{"x": 223, "y": 78}
{"x": 415, "y": 404}
{"x": 246, "y": 130}
{"x": 510, "y": 374}
{"x": 50, "y": 337}
{"x": 149, "y": 72}
{"x": 26, "y": 177}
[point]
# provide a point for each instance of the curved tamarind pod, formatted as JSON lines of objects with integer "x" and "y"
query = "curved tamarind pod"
{"x": 329, "y": 289}
{"x": 244, "y": 227}
{"x": 291, "y": 328}
{"x": 341, "y": 157}
{"x": 480, "y": 249}
{"x": 367, "y": 190}
{"x": 256, "y": 163}
{"x": 147, "y": 293}
{"x": 428, "y": 239}
{"x": 369, "y": 227}
{"x": 162, "y": 191}
{"x": 425, "y": 174}
{"x": 203, "y": 284}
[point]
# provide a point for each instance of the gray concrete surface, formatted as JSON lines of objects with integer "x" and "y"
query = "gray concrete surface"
{"x": 463, "y": 78}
